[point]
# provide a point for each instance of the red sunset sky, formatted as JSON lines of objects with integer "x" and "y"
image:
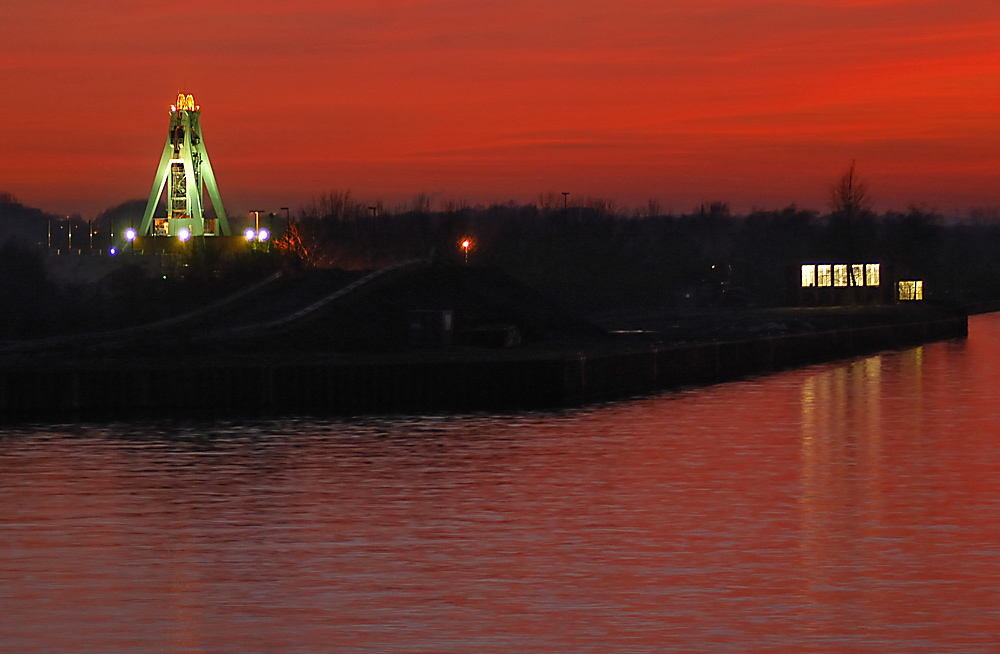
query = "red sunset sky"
{"x": 758, "y": 103}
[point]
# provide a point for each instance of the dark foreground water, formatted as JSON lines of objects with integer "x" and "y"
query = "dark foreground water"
{"x": 846, "y": 507}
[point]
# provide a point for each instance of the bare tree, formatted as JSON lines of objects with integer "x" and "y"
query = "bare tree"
{"x": 292, "y": 243}
{"x": 849, "y": 195}
{"x": 850, "y": 199}
{"x": 421, "y": 203}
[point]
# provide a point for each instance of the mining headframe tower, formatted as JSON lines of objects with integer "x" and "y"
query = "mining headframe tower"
{"x": 186, "y": 172}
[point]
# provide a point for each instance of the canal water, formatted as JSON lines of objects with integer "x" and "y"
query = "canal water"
{"x": 853, "y": 506}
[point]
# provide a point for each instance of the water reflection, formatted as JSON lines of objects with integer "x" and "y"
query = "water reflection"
{"x": 841, "y": 479}
{"x": 845, "y": 507}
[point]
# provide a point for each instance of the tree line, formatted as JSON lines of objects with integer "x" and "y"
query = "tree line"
{"x": 596, "y": 255}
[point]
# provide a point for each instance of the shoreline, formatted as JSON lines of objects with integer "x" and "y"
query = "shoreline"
{"x": 442, "y": 381}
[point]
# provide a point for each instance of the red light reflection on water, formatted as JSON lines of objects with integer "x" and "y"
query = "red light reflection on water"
{"x": 846, "y": 507}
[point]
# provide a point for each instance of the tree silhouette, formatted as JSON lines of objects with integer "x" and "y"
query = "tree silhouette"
{"x": 849, "y": 199}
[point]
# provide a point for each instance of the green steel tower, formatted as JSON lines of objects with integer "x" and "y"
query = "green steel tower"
{"x": 185, "y": 171}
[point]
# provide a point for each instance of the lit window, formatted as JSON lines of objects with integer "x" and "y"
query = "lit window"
{"x": 858, "y": 273}
{"x": 871, "y": 274}
{"x": 840, "y": 274}
{"x": 911, "y": 290}
{"x": 823, "y": 275}
{"x": 808, "y": 276}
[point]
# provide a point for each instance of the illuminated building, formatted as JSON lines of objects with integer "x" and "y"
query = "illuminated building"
{"x": 185, "y": 171}
{"x": 912, "y": 289}
{"x": 839, "y": 284}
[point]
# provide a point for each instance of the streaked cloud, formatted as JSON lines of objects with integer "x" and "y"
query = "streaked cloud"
{"x": 634, "y": 99}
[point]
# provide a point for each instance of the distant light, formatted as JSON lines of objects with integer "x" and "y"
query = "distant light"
{"x": 263, "y": 234}
{"x": 184, "y": 234}
{"x": 185, "y": 103}
{"x": 130, "y": 234}
{"x": 113, "y": 251}
{"x": 249, "y": 234}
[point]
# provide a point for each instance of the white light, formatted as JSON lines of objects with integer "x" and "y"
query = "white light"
{"x": 184, "y": 234}
{"x": 249, "y": 234}
{"x": 263, "y": 234}
{"x": 113, "y": 251}
{"x": 130, "y": 234}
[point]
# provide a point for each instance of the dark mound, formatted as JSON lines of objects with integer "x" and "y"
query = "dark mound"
{"x": 483, "y": 303}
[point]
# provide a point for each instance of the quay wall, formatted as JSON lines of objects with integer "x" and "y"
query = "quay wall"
{"x": 102, "y": 390}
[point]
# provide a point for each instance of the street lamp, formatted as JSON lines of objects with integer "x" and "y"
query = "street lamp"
{"x": 130, "y": 235}
{"x": 184, "y": 233}
{"x": 249, "y": 234}
{"x": 466, "y": 244}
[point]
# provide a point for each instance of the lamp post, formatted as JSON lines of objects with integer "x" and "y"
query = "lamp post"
{"x": 288, "y": 219}
{"x": 466, "y": 245}
{"x": 371, "y": 251}
{"x": 565, "y": 195}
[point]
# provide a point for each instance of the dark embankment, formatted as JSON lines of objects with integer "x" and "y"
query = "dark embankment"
{"x": 329, "y": 343}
